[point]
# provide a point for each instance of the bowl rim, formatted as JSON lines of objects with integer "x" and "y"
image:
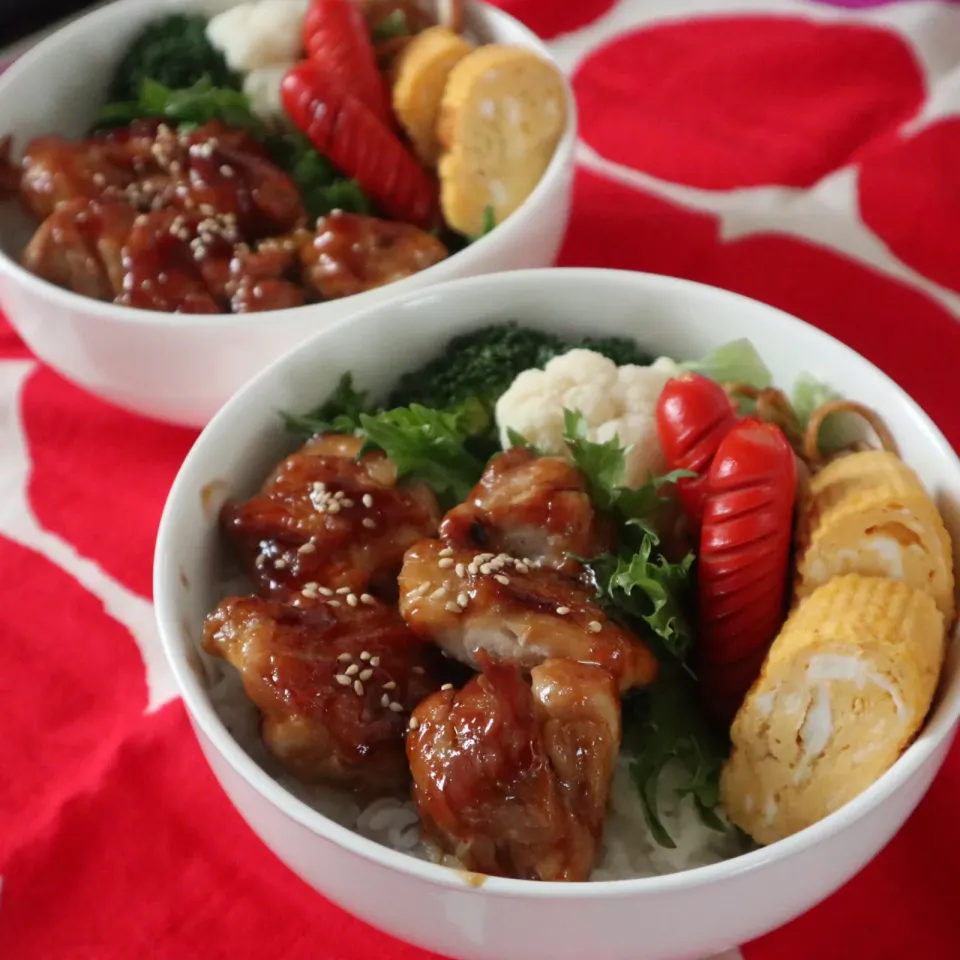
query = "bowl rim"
{"x": 937, "y": 729}
{"x": 60, "y": 42}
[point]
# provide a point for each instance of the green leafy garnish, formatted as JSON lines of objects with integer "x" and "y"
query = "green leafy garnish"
{"x": 339, "y": 414}
{"x": 519, "y": 440}
{"x": 427, "y": 446}
{"x": 605, "y": 466}
{"x": 200, "y": 103}
{"x": 430, "y": 446}
{"x": 488, "y": 223}
{"x": 175, "y": 53}
{"x": 839, "y": 430}
{"x": 393, "y": 25}
{"x": 662, "y": 726}
{"x": 734, "y": 362}
{"x": 646, "y": 586}
{"x": 639, "y": 583}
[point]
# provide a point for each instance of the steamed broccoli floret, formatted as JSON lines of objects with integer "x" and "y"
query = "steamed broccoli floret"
{"x": 621, "y": 350}
{"x": 175, "y": 52}
{"x": 482, "y": 364}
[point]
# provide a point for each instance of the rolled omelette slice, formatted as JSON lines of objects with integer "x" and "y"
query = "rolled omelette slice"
{"x": 869, "y": 513}
{"x": 420, "y": 77}
{"x": 846, "y": 686}
{"x": 501, "y": 118}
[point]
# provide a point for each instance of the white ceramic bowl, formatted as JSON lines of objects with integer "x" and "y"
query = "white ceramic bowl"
{"x": 685, "y": 915}
{"x": 182, "y": 368}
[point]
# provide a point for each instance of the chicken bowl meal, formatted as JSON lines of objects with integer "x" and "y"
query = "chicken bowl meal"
{"x": 271, "y": 155}
{"x": 527, "y": 602}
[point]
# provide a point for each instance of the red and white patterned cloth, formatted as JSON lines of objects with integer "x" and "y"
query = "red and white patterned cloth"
{"x": 805, "y": 153}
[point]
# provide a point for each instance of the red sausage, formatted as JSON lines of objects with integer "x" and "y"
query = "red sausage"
{"x": 338, "y": 42}
{"x": 745, "y": 550}
{"x": 693, "y": 415}
{"x": 345, "y": 130}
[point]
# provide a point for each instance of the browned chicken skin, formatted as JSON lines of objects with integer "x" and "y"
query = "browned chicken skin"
{"x": 80, "y": 247}
{"x": 350, "y": 254}
{"x": 469, "y": 602}
{"x": 221, "y": 228}
{"x": 210, "y": 170}
{"x": 513, "y": 779}
{"x": 532, "y": 507}
{"x": 325, "y": 520}
{"x": 334, "y": 684}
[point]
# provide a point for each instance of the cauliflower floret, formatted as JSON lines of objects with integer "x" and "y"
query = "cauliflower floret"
{"x": 262, "y": 87}
{"x": 667, "y": 365}
{"x": 614, "y": 401}
{"x": 259, "y": 33}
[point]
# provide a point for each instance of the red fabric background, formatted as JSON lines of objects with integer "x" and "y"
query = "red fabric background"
{"x": 115, "y": 841}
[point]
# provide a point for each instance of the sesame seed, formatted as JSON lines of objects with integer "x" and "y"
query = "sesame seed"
{"x": 446, "y": 552}
{"x": 334, "y": 603}
{"x": 342, "y": 680}
{"x": 358, "y": 688}
{"x": 417, "y": 670}
{"x": 460, "y": 570}
{"x": 367, "y": 599}
{"x": 367, "y": 500}
{"x": 447, "y": 686}
{"x": 325, "y": 591}
{"x": 385, "y": 700}
{"x": 366, "y": 674}
{"x": 389, "y": 685}
{"x": 486, "y": 569}
{"x": 522, "y": 567}
{"x": 452, "y": 607}
{"x": 374, "y": 661}
{"x": 352, "y": 601}
{"x": 226, "y": 171}
{"x": 345, "y": 657}
{"x": 365, "y": 655}
{"x": 463, "y": 599}
{"x": 280, "y": 563}
{"x": 472, "y": 569}
{"x": 307, "y": 548}
{"x": 347, "y": 502}
{"x": 563, "y": 611}
{"x": 260, "y": 561}
{"x": 438, "y": 593}
{"x": 352, "y": 670}
{"x": 594, "y": 626}
{"x": 369, "y": 523}
{"x": 414, "y": 723}
{"x": 500, "y": 578}
{"x": 445, "y": 563}
{"x": 309, "y": 591}
{"x": 396, "y": 707}
{"x": 343, "y": 591}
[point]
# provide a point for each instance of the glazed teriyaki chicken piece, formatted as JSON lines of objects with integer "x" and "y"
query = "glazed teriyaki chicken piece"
{"x": 537, "y": 508}
{"x": 334, "y": 683}
{"x": 470, "y": 603}
{"x": 212, "y": 170}
{"x": 513, "y": 779}
{"x": 325, "y": 521}
{"x": 197, "y": 221}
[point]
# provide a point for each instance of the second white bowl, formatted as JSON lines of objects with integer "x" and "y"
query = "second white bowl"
{"x": 677, "y": 917}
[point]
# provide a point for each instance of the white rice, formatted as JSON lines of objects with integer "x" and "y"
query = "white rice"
{"x": 629, "y": 849}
